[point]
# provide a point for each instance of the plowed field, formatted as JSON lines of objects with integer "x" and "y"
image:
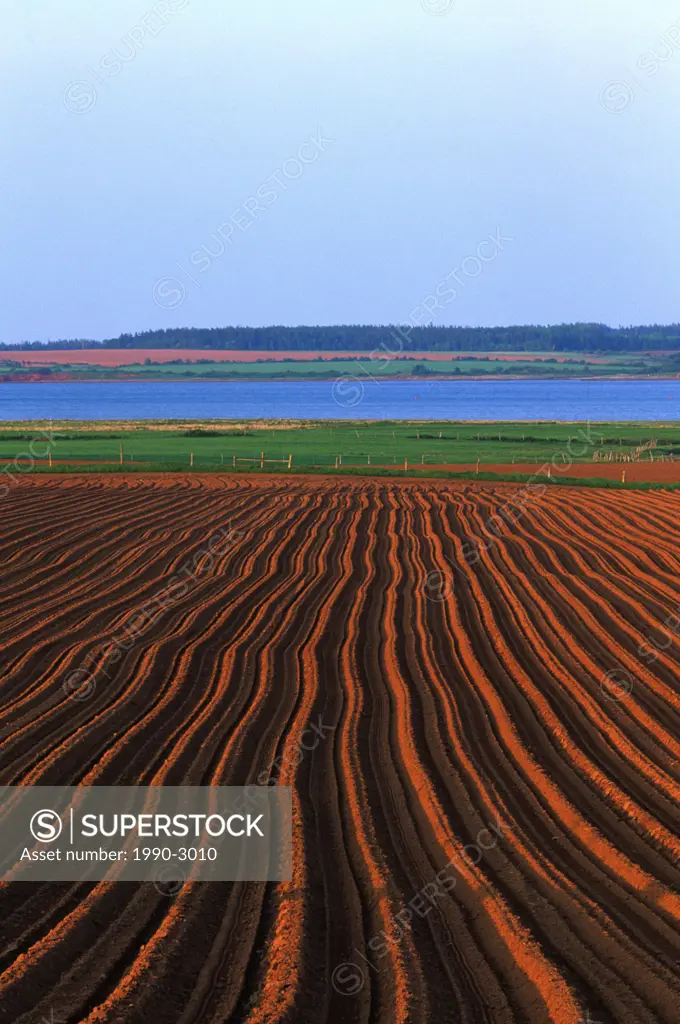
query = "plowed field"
{"x": 126, "y": 356}
{"x": 479, "y": 719}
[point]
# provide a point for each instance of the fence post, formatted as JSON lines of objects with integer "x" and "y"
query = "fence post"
{"x": 49, "y": 456}
{"x": 234, "y": 462}
{"x": 369, "y": 460}
{"x": 477, "y": 469}
{"x": 261, "y": 460}
{"x": 121, "y": 453}
{"x": 290, "y": 461}
{"x": 405, "y": 465}
{"x": 191, "y": 460}
{"x": 623, "y": 477}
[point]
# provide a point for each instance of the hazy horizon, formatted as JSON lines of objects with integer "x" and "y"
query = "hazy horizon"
{"x": 179, "y": 163}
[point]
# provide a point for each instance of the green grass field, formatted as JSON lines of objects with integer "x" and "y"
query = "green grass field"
{"x": 318, "y": 445}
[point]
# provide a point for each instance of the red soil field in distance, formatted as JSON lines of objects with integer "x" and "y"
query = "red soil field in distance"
{"x": 486, "y": 833}
{"x": 113, "y": 357}
{"x": 636, "y": 472}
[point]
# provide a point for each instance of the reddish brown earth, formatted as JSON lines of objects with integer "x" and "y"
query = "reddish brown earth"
{"x": 636, "y": 472}
{"x": 124, "y": 357}
{"x": 500, "y": 757}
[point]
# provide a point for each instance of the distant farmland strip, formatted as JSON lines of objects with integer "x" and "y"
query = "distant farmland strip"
{"x": 484, "y": 760}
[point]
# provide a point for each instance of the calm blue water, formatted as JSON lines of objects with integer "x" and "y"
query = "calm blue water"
{"x": 347, "y": 399}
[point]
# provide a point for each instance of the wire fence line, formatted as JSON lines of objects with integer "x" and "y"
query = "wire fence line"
{"x": 230, "y": 460}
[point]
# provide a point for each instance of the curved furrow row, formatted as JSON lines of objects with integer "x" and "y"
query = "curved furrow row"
{"x": 41, "y": 662}
{"x": 77, "y": 923}
{"x": 98, "y": 545}
{"x": 543, "y": 896}
{"x": 453, "y": 704}
{"x": 493, "y": 649}
{"x": 548, "y": 629}
{"x": 190, "y": 918}
{"x": 576, "y": 614}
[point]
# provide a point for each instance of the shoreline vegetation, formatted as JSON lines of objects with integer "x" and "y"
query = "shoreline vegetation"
{"x": 621, "y": 455}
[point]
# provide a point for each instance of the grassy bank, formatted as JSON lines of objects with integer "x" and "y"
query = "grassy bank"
{"x": 354, "y": 444}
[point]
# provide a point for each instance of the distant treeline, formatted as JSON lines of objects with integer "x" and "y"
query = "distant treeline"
{"x": 561, "y": 338}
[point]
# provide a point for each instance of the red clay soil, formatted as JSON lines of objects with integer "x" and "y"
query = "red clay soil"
{"x": 636, "y": 472}
{"x": 124, "y": 357}
{"x": 487, "y": 831}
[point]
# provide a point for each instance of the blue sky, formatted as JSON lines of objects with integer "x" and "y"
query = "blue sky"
{"x": 159, "y": 165}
